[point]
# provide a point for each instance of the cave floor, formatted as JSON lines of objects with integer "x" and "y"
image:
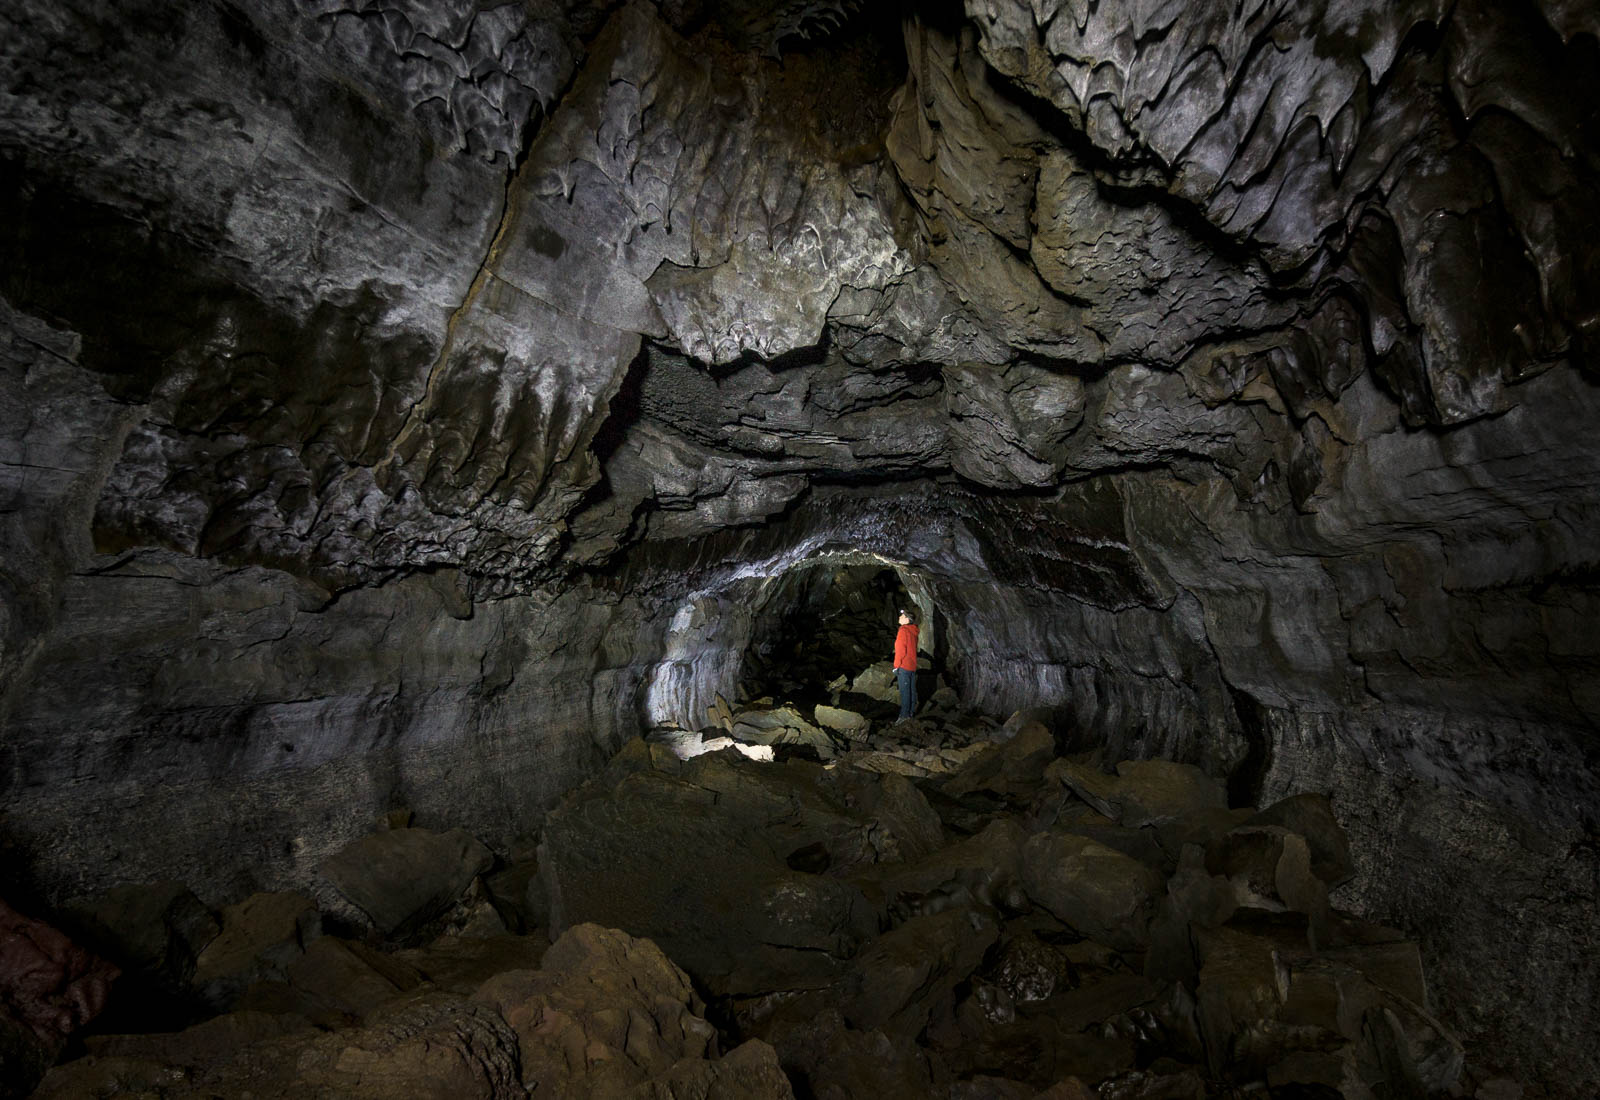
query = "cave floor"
{"x": 843, "y": 907}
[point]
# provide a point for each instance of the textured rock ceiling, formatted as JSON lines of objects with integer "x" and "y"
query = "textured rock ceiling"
{"x": 418, "y": 285}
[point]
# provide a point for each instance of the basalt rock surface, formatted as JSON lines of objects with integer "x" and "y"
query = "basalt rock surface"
{"x": 404, "y": 405}
{"x": 894, "y": 949}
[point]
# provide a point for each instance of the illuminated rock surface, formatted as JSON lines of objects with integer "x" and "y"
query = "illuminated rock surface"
{"x": 405, "y": 405}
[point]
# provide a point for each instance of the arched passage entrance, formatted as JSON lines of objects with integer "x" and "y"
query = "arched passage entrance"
{"x": 828, "y": 626}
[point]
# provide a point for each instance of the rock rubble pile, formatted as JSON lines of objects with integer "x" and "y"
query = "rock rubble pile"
{"x": 935, "y": 909}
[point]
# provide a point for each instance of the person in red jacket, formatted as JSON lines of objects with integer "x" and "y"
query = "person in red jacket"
{"x": 905, "y": 663}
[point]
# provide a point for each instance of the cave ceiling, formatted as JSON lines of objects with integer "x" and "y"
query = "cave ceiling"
{"x": 530, "y": 290}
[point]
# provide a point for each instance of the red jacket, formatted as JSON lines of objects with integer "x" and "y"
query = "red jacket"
{"x": 905, "y": 648}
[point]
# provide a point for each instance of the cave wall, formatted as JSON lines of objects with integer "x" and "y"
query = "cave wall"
{"x": 440, "y": 389}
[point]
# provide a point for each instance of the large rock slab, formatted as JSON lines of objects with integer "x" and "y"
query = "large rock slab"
{"x": 261, "y": 936}
{"x": 1142, "y": 792}
{"x": 159, "y": 928}
{"x": 603, "y": 1013}
{"x": 898, "y": 978}
{"x": 1102, "y": 893}
{"x": 402, "y": 877}
{"x": 1012, "y": 769}
{"x": 703, "y": 870}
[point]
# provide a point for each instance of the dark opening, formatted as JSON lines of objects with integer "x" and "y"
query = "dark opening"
{"x": 830, "y": 639}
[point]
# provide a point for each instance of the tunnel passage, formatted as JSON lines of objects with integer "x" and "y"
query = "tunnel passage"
{"x": 414, "y": 404}
{"x": 826, "y": 624}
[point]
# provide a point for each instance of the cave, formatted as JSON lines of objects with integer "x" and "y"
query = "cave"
{"x": 461, "y": 462}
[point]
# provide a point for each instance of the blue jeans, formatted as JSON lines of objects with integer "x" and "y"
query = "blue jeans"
{"x": 908, "y": 691}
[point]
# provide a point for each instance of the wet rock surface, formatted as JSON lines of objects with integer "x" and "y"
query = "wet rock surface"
{"x": 407, "y": 405}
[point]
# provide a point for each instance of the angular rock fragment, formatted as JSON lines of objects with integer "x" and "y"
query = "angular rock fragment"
{"x": 1143, "y": 792}
{"x": 1013, "y": 769}
{"x": 1097, "y": 890}
{"x": 1311, "y": 816}
{"x": 159, "y": 928}
{"x": 847, "y": 723}
{"x": 896, "y": 980}
{"x": 1270, "y": 868}
{"x": 401, "y": 878}
{"x": 703, "y": 873}
{"x": 261, "y": 936}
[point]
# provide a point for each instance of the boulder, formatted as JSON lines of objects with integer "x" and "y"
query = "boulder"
{"x": 261, "y": 936}
{"x": 750, "y": 1071}
{"x": 603, "y": 1014}
{"x": 1030, "y": 970}
{"x": 1199, "y": 827}
{"x": 848, "y": 723}
{"x": 1012, "y": 769}
{"x": 1311, "y": 816}
{"x": 1270, "y": 868}
{"x": 1073, "y": 1034}
{"x": 887, "y": 763}
{"x": 986, "y": 866}
{"x": 159, "y": 928}
{"x": 1143, "y": 792}
{"x": 1142, "y": 844}
{"x": 403, "y": 877}
{"x": 206, "y": 1041}
{"x": 838, "y": 1062}
{"x": 1097, "y": 890}
{"x": 607, "y": 1016}
{"x": 1194, "y": 899}
{"x": 897, "y": 979}
{"x": 1069, "y": 1088}
{"x": 1174, "y": 1083}
{"x": 508, "y": 890}
{"x": 1270, "y": 1006}
{"x": 460, "y": 965}
{"x": 334, "y": 984}
{"x": 878, "y": 682}
{"x": 1019, "y": 720}
{"x": 431, "y": 1046}
{"x": 700, "y": 868}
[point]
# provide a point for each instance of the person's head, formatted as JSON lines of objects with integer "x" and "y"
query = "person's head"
{"x": 907, "y": 617}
